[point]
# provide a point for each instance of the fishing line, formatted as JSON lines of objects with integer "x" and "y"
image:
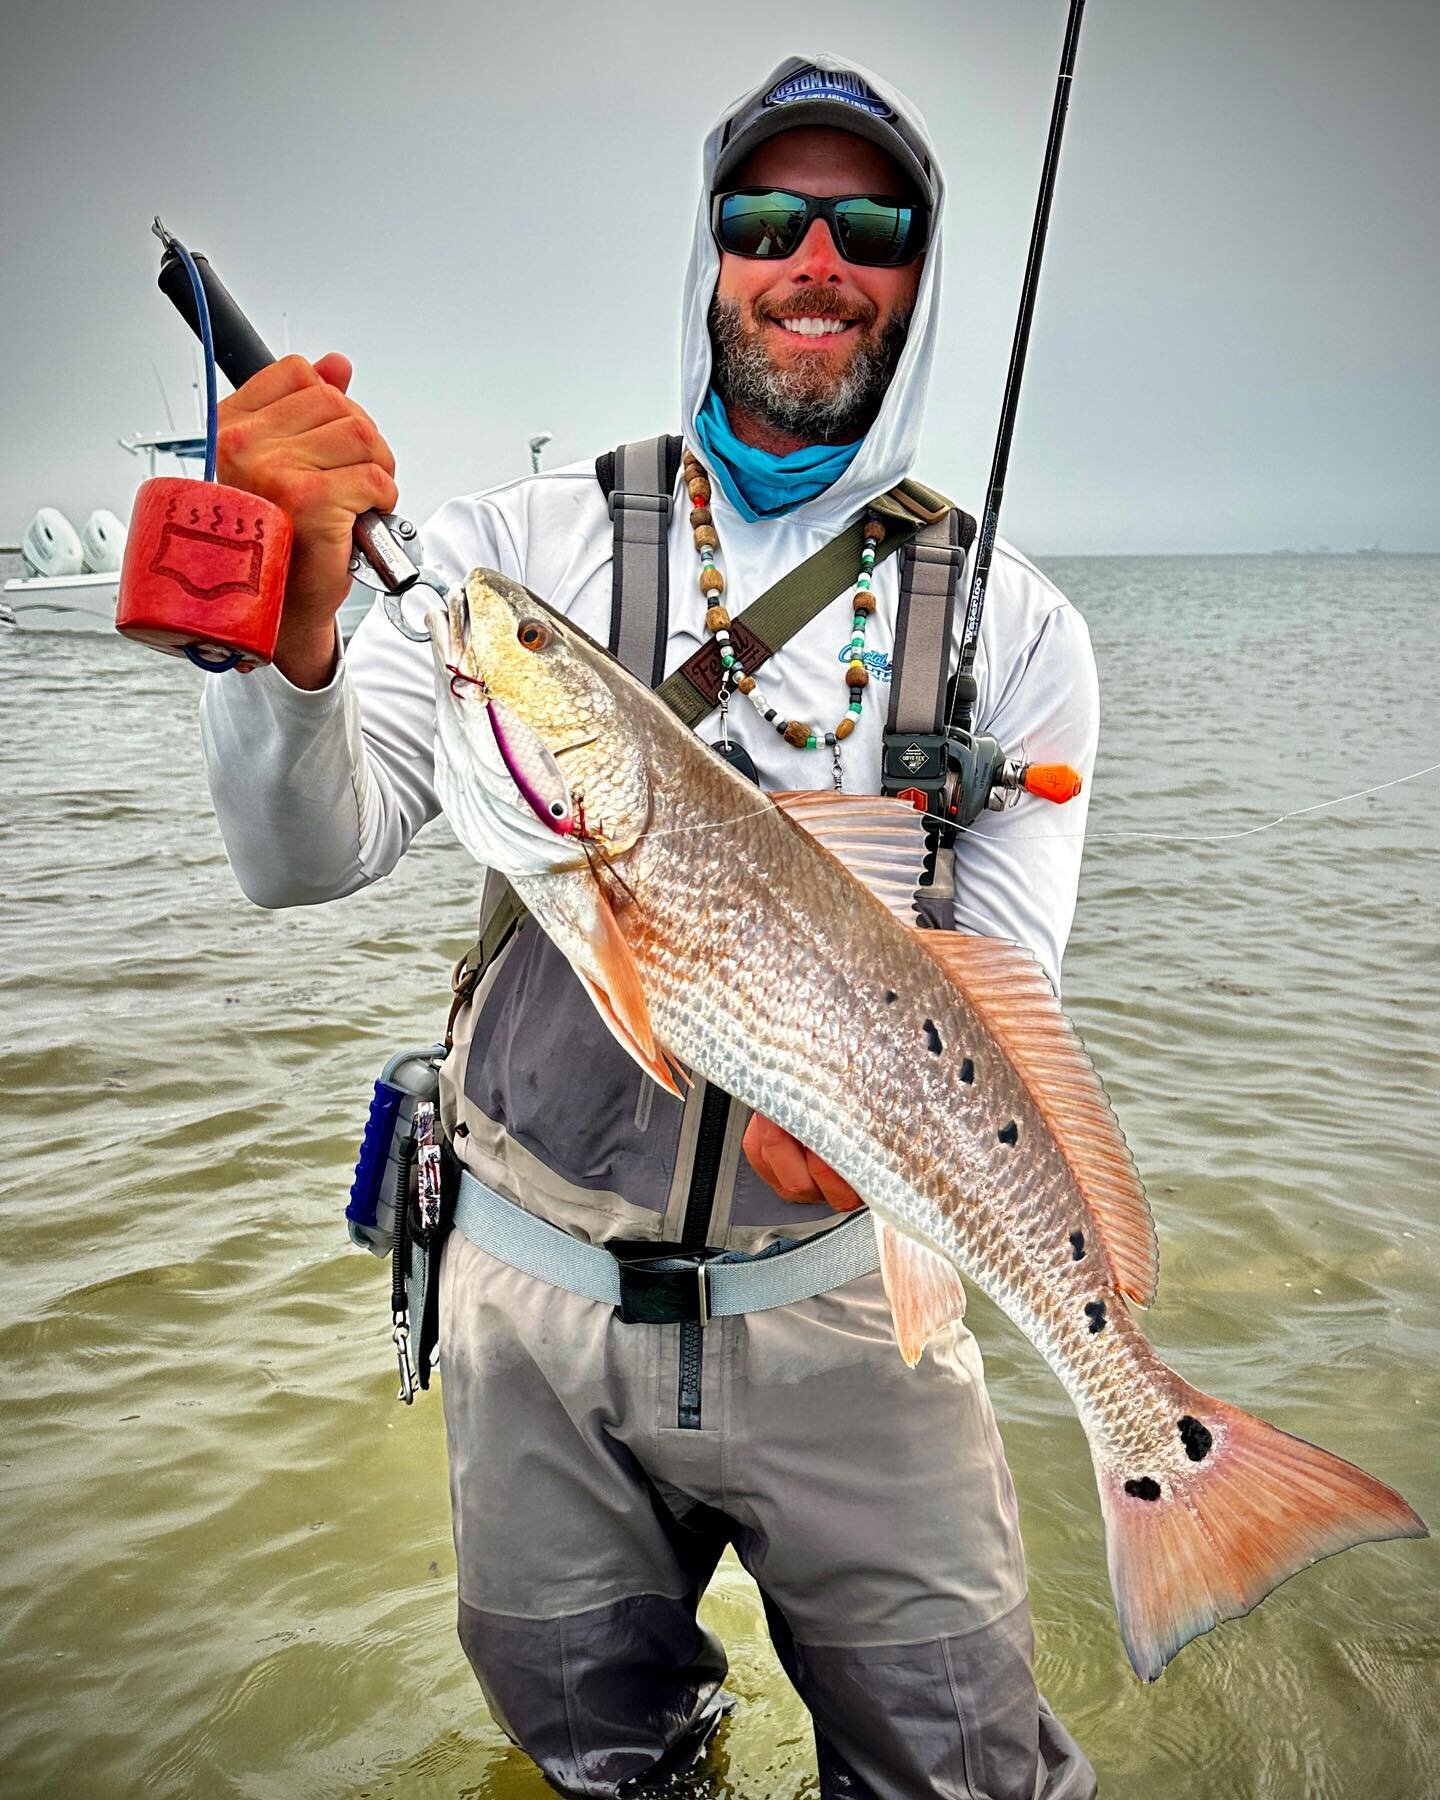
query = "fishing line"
{"x": 1046, "y": 837}
{"x": 202, "y": 659}
{"x": 207, "y": 344}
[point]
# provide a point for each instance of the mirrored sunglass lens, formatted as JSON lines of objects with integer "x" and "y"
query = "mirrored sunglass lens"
{"x": 871, "y": 231}
{"x": 760, "y": 224}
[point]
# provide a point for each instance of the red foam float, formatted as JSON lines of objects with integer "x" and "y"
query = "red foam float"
{"x": 204, "y": 570}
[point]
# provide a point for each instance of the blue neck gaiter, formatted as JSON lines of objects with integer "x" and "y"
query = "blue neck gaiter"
{"x": 758, "y": 484}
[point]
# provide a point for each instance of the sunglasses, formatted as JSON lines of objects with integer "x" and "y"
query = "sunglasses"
{"x": 872, "y": 229}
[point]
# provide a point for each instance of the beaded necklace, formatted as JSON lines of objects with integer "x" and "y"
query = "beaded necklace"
{"x": 717, "y": 623}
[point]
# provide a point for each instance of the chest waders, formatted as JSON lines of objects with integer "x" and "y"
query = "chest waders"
{"x": 685, "y": 1279}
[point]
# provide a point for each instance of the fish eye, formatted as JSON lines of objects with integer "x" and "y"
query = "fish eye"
{"x": 557, "y": 809}
{"x": 532, "y": 635}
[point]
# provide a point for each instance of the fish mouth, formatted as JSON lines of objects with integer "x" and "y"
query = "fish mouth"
{"x": 450, "y": 638}
{"x": 535, "y": 778}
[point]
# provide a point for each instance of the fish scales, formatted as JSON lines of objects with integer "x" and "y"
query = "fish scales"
{"x": 711, "y": 928}
{"x": 777, "y": 1007}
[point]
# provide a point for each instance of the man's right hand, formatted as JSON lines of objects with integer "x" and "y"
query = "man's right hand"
{"x": 291, "y": 435}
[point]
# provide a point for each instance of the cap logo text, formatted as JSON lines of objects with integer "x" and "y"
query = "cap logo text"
{"x": 827, "y": 84}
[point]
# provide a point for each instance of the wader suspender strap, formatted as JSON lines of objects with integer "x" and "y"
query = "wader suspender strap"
{"x": 913, "y": 758}
{"x": 641, "y": 500}
{"x": 912, "y": 755}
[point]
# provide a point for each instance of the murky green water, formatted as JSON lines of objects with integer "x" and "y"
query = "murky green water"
{"x": 225, "y": 1564}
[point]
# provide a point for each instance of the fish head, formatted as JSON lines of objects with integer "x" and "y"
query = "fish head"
{"x": 537, "y": 760}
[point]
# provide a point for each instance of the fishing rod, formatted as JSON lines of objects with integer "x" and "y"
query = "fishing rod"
{"x": 979, "y": 773}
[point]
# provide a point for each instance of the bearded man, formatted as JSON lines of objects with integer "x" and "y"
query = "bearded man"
{"x": 599, "y": 1465}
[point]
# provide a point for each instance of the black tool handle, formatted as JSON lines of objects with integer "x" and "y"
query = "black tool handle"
{"x": 240, "y": 351}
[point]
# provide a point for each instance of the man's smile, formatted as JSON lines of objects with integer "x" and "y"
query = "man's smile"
{"x": 814, "y": 330}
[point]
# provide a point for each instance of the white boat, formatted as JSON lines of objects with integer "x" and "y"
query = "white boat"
{"x": 70, "y": 576}
{"x": 60, "y": 602}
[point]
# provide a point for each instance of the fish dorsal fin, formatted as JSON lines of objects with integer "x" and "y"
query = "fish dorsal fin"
{"x": 1007, "y": 988}
{"x": 923, "y": 1288}
{"x": 881, "y": 842}
{"x": 619, "y": 994}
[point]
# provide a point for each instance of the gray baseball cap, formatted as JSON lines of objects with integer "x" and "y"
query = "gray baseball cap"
{"x": 834, "y": 97}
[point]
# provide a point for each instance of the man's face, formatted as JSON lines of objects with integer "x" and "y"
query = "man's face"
{"x": 829, "y": 388}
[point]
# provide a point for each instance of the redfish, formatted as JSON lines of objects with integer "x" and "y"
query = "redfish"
{"x": 762, "y": 941}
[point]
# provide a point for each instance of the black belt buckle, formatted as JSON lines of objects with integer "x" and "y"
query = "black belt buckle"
{"x": 651, "y": 1296}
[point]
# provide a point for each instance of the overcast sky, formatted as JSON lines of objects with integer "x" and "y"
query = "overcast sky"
{"x": 488, "y": 208}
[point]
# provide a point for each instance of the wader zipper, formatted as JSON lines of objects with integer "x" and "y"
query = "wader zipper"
{"x": 699, "y": 1204}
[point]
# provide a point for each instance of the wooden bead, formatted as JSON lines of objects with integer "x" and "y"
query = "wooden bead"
{"x": 864, "y": 603}
{"x": 701, "y": 515}
{"x": 716, "y": 619}
{"x": 857, "y": 675}
{"x": 706, "y": 538}
{"x": 797, "y": 734}
{"x": 745, "y": 683}
{"x": 698, "y": 489}
{"x": 844, "y": 728}
{"x": 874, "y": 531}
{"x": 711, "y": 581}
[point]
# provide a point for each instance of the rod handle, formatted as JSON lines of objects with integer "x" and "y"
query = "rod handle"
{"x": 240, "y": 351}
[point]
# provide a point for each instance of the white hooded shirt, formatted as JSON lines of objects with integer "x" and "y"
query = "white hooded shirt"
{"x": 319, "y": 793}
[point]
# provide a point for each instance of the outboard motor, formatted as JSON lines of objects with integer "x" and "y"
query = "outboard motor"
{"x": 52, "y": 545}
{"x": 102, "y": 538}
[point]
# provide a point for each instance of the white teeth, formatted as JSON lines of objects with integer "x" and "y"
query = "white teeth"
{"x": 814, "y": 327}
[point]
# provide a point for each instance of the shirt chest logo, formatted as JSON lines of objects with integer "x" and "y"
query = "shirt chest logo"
{"x": 876, "y": 662}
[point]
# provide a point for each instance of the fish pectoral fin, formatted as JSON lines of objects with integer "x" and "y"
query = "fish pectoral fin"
{"x": 656, "y": 1064}
{"x": 880, "y": 841}
{"x": 619, "y": 994}
{"x": 923, "y": 1287}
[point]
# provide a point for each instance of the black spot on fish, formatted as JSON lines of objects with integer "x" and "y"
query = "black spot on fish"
{"x": 889, "y": 996}
{"x": 932, "y": 1038}
{"x": 1095, "y": 1313}
{"x": 967, "y": 1070}
{"x": 1196, "y": 1439}
{"x": 1009, "y": 1134}
{"x": 1146, "y": 1488}
{"x": 1077, "y": 1244}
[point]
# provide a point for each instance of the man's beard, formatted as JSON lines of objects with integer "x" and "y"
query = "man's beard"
{"x": 806, "y": 400}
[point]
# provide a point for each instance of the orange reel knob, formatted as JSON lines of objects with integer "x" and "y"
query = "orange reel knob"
{"x": 1053, "y": 781}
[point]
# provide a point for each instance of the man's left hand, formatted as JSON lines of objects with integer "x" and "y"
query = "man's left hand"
{"x": 794, "y": 1172}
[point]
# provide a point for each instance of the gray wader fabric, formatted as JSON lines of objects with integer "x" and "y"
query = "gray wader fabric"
{"x": 871, "y": 1503}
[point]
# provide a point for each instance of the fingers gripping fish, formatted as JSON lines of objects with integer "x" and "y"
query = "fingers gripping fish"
{"x": 762, "y": 941}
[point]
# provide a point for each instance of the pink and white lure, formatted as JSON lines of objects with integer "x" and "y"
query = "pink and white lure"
{"x": 533, "y": 769}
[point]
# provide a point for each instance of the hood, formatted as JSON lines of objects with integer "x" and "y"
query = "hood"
{"x": 890, "y": 444}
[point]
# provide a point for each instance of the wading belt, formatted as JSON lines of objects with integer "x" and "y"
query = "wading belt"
{"x": 666, "y": 1284}
{"x": 933, "y": 538}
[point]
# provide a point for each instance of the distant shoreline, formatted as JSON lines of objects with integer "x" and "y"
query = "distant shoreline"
{"x": 1368, "y": 552}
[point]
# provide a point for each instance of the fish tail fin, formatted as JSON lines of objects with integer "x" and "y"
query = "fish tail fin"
{"x": 1232, "y": 1508}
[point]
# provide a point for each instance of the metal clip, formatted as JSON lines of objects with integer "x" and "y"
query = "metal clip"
{"x": 703, "y": 1276}
{"x": 401, "y": 1336}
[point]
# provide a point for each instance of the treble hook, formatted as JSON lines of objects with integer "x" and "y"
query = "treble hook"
{"x": 457, "y": 674}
